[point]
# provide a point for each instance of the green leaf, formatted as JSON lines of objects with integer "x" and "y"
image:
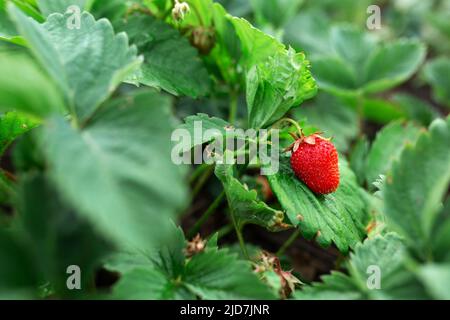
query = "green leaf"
{"x": 353, "y": 46}
{"x": 381, "y": 111}
{"x": 87, "y": 74}
{"x": 276, "y": 85}
{"x": 38, "y": 98}
{"x": 171, "y": 63}
{"x": 245, "y": 205}
{"x": 339, "y": 217}
{"x": 219, "y": 275}
{"x": 51, "y": 6}
{"x": 416, "y": 185}
{"x": 392, "y": 64}
{"x": 441, "y": 237}
{"x": 13, "y": 125}
{"x": 334, "y": 76}
{"x": 387, "y": 147}
{"x": 56, "y": 235}
{"x": 29, "y": 8}
{"x": 314, "y": 38}
{"x": 436, "y": 279}
{"x": 436, "y": 74}
{"x": 358, "y": 158}
{"x": 8, "y": 31}
{"x": 335, "y": 286}
{"x": 113, "y": 10}
{"x": 277, "y": 78}
{"x": 332, "y": 117}
{"x": 416, "y": 109}
{"x": 386, "y": 253}
{"x": 338, "y": 71}
{"x": 17, "y": 268}
{"x": 149, "y": 284}
{"x": 256, "y": 45}
{"x": 6, "y": 190}
{"x": 167, "y": 274}
{"x": 275, "y": 12}
{"x": 124, "y": 154}
{"x": 227, "y": 50}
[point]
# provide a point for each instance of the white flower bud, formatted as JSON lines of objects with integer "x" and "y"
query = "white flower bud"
{"x": 180, "y": 10}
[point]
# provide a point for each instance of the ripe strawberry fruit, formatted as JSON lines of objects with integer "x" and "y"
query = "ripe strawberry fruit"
{"x": 315, "y": 161}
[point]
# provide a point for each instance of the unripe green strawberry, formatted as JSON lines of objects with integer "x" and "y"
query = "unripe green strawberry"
{"x": 315, "y": 161}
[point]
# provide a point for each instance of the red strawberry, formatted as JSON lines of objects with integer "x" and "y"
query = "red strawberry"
{"x": 315, "y": 162}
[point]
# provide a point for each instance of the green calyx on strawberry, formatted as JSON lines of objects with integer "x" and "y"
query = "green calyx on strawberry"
{"x": 315, "y": 161}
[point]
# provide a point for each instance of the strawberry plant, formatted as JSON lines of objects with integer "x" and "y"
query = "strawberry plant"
{"x": 221, "y": 150}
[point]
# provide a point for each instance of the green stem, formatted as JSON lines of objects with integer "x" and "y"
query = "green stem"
{"x": 198, "y": 172}
{"x": 209, "y": 212}
{"x": 225, "y": 231}
{"x": 294, "y": 123}
{"x": 239, "y": 235}
{"x": 202, "y": 181}
{"x": 288, "y": 242}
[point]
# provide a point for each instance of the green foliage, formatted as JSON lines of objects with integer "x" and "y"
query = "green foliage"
{"x": 51, "y": 6}
{"x": 392, "y": 64}
{"x": 316, "y": 30}
{"x": 415, "y": 108}
{"x": 274, "y": 12}
{"x": 436, "y": 279}
{"x": 420, "y": 179}
{"x": 359, "y": 66}
{"x": 436, "y": 73}
{"x": 17, "y": 271}
{"x": 358, "y": 158}
{"x": 53, "y": 232}
{"x": 88, "y": 174}
{"x": 39, "y": 98}
{"x": 244, "y": 203}
{"x": 110, "y": 154}
{"x": 333, "y": 118}
{"x": 339, "y": 217}
{"x": 276, "y": 79}
{"x": 13, "y": 125}
{"x": 385, "y": 252}
{"x": 276, "y": 85}
{"x": 212, "y": 128}
{"x": 8, "y": 31}
{"x": 165, "y": 52}
{"x": 85, "y": 74}
{"x": 167, "y": 274}
{"x": 387, "y": 147}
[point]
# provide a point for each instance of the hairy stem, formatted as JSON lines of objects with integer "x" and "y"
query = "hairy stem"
{"x": 202, "y": 181}
{"x": 198, "y": 172}
{"x": 292, "y": 122}
{"x": 208, "y": 213}
{"x": 239, "y": 235}
{"x": 288, "y": 242}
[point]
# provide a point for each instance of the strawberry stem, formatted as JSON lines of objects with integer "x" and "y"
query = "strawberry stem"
{"x": 292, "y": 122}
{"x": 208, "y": 213}
{"x": 288, "y": 242}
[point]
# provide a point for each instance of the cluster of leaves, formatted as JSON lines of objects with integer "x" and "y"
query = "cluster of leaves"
{"x": 88, "y": 178}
